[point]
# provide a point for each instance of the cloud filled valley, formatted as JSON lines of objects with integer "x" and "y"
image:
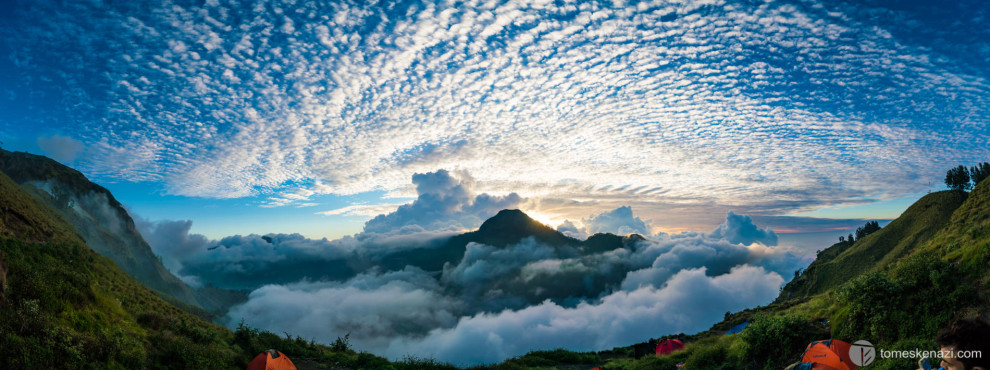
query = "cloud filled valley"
{"x": 408, "y": 285}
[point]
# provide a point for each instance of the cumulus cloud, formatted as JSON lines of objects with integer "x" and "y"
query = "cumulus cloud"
{"x": 60, "y": 148}
{"x": 483, "y": 262}
{"x": 619, "y": 221}
{"x": 572, "y": 230}
{"x": 444, "y": 202}
{"x": 741, "y": 229}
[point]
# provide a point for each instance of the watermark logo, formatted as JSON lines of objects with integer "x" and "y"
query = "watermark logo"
{"x": 862, "y": 353}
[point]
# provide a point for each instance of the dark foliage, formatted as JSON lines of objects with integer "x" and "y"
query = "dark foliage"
{"x": 870, "y": 228}
{"x": 910, "y": 302}
{"x": 979, "y": 172}
{"x": 776, "y": 341}
{"x": 958, "y": 178}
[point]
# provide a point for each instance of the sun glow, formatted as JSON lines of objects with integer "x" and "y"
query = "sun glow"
{"x": 551, "y": 220}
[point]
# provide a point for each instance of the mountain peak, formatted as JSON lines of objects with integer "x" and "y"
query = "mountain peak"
{"x": 511, "y": 225}
{"x": 509, "y": 218}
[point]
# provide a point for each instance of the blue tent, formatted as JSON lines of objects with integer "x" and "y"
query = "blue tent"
{"x": 738, "y": 328}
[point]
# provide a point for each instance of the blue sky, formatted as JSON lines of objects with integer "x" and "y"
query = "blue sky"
{"x": 312, "y": 117}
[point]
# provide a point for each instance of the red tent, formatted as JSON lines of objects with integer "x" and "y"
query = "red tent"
{"x": 829, "y": 354}
{"x": 669, "y": 346}
{"x": 271, "y": 360}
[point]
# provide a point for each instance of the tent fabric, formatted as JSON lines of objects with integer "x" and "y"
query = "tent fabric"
{"x": 738, "y": 328}
{"x": 829, "y": 354}
{"x": 669, "y": 346}
{"x": 271, "y": 360}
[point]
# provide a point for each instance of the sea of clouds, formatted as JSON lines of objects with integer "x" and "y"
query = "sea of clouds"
{"x": 495, "y": 302}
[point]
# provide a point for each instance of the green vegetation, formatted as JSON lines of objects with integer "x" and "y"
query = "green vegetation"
{"x": 872, "y": 251}
{"x": 64, "y": 306}
{"x": 979, "y": 172}
{"x": 557, "y": 359}
{"x": 958, "y": 178}
{"x": 108, "y": 229}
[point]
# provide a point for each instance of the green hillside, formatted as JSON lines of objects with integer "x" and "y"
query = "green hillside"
{"x": 106, "y": 227}
{"x": 65, "y": 306}
{"x": 966, "y": 239}
{"x": 844, "y": 261}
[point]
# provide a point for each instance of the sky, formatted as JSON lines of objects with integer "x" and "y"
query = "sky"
{"x": 737, "y": 136}
{"x": 312, "y": 117}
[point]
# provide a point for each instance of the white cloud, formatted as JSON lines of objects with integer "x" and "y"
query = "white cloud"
{"x": 505, "y": 301}
{"x": 619, "y": 221}
{"x": 741, "y": 229}
{"x": 444, "y": 202}
{"x": 588, "y": 106}
{"x": 370, "y": 307}
{"x": 689, "y": 302}
{"x": 364, "y": 210}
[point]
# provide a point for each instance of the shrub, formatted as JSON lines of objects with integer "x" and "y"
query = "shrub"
{"x": 914, "y": 299}
{"x": 776, "y": 341}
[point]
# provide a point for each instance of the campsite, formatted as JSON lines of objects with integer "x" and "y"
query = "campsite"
{"x": 494, "y": 184}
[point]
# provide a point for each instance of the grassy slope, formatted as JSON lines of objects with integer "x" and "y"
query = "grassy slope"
{"x": 913, "y": 228}
{"x": 122, "y": 243}
{"x": 124, "y": 246}
{"x": 67, "y": 307}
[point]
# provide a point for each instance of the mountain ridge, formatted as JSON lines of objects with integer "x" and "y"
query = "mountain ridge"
{"x": 65, "y": 306}
{"x": 507, "y": 227}
{"x": 105, "y": 226}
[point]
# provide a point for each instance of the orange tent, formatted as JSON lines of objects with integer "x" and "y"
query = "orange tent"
{"x": 829, "y": 354}
{"x": 669, "y": 346}
{"x": 271, "y": 360}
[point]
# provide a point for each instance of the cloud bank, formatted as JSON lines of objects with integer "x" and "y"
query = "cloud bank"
{"x": 689, "y": 302}
{"x": 503, "y": 301}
